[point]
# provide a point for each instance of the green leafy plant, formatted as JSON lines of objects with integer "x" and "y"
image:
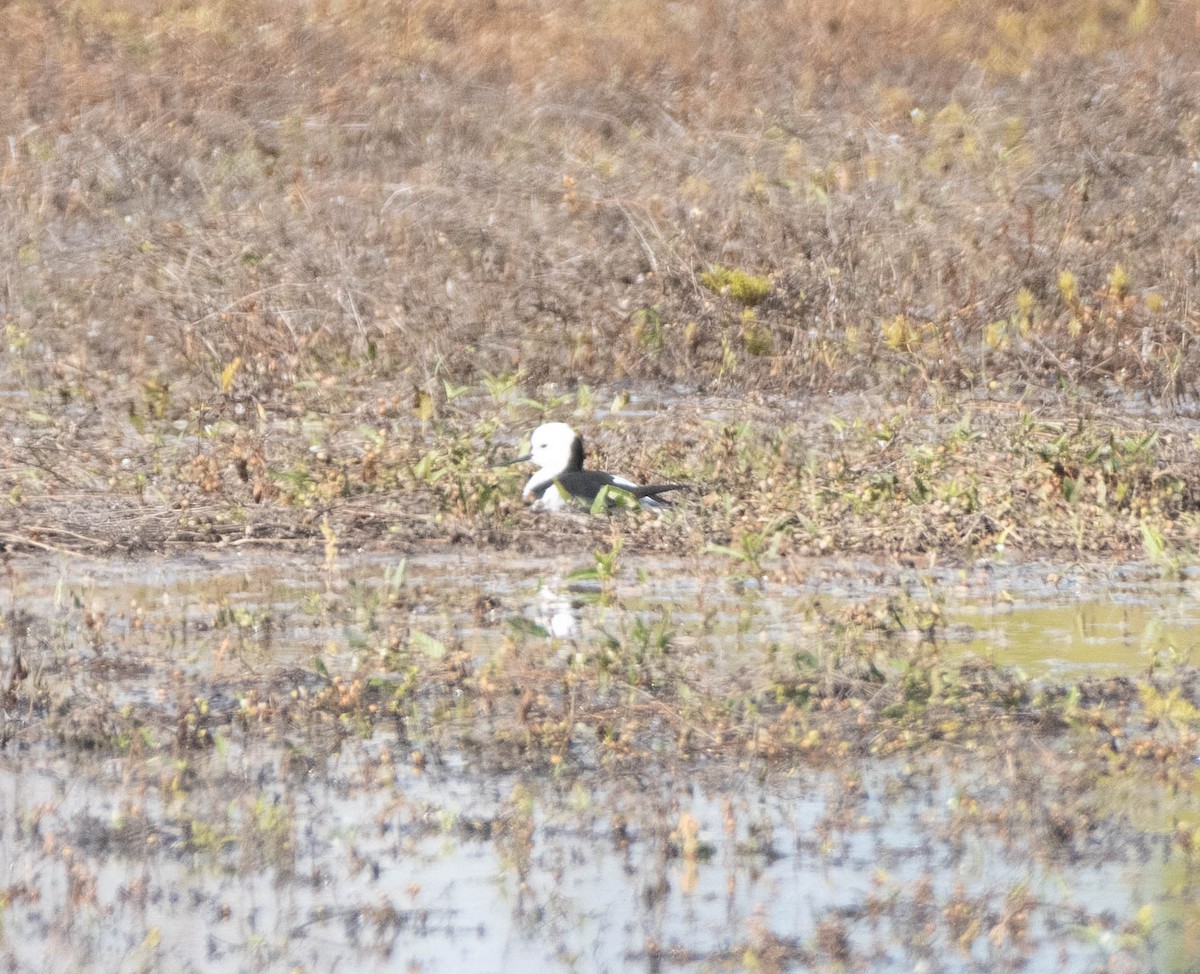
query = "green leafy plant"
{"x": 747, "y": 289}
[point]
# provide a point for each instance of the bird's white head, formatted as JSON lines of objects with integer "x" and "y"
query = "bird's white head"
{"x": 556, "y": 448}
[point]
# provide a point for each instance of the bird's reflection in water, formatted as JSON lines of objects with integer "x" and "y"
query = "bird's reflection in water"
{"x": 556, "y": 610}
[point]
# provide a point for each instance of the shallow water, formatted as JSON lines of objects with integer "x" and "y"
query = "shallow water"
{"x": 435, "y": 872}
{"x": 1043, "y": 617}
{"x": 360, "y": 859}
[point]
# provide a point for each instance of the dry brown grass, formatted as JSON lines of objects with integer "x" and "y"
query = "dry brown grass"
{"x": 404, "y": 189}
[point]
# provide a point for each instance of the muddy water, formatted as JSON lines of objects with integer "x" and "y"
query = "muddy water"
{"x": 264, "y": 855}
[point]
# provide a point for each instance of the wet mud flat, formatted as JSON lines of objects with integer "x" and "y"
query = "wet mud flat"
{"x": 313, "y": 761}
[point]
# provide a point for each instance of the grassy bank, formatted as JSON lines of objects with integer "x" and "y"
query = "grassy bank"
{"x": 791, "y": 197}
{"x": 271, "y": 263}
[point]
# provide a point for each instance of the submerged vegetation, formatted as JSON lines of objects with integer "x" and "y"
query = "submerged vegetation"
{"x": 260, "y": 736}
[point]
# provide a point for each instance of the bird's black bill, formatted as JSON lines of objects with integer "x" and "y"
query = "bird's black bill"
{"x": 509, "y": 463}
